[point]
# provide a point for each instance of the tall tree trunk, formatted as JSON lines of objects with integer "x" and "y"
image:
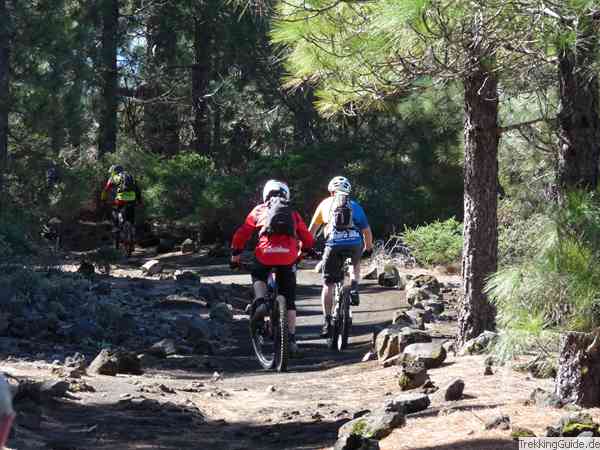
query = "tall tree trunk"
{"x": 578, "y": 120}
{"x": 578, "y": 377}
{"x": 480, "y": 248}
{"x": 4, "y": 91}
{"x": 200, "y": 80}
{"x": 216, "y": 136}
{"x": 305, "y": 115}
{"x": 107, "y": 139}
{"x": 161, "y": 118}
{"x": 74, "y": 112}
{"x": 57, "y": 125}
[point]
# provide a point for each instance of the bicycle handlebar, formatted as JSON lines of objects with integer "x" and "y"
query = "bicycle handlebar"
{"x": 248, "y": 266}
{"x": 311, "y": 253}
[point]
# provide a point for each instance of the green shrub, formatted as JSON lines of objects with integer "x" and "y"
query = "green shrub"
{"x": 174, "y": 188}
{"x": 13, "y": 234}
{"x": 435, "y": 243}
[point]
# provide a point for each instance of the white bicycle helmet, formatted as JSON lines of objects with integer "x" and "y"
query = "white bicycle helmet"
{"x": 272, "y": 186}
{"x": 339, "y": 184}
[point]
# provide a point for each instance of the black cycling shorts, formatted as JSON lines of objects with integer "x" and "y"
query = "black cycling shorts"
{"x": 333, "y": 261}
{"x": 286, "y": 280}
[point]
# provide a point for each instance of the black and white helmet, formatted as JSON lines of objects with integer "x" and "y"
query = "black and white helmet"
{"x": 115, "y": 169}
{"x": 339, "y": 184}
{"x": 274, "y": 187}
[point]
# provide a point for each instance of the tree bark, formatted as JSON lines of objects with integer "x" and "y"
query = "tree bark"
{"x": 578, "y": 377}
{"x": 107, "y": 139}
{"x": 200, "y": 80}
{"x": 480, "y": 248}
{"x": 217, "y": 132}
{"x": 4, "y": 91}
{"x": 578, "y": 120}
{"x": 305, "y": 115}
{"x": 161, "y": 118}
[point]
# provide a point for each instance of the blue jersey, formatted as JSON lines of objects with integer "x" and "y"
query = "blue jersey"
{"x": 349, "y": 237}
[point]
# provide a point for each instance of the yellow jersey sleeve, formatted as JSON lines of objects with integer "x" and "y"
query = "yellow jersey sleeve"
{"x": 317, "y": 218}
{"x": 321, "y": 216}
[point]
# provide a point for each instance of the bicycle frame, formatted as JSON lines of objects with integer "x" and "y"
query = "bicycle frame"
{"x": 272, "y": 285}
{"x": 342, "y": 312}
{"x": 124, "y": 235}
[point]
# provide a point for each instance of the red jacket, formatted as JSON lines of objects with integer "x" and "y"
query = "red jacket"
{"x": 274, "y": 250}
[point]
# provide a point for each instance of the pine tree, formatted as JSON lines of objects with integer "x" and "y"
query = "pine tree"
{"x": 107, "y": 134}
{"x": 362, "y": 53}
{"x": 577, "y": 38}
{"x": 5, "y": 47}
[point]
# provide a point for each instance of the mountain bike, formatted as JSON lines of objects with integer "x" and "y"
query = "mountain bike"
{"x": 270, "y": 335}
{"x": 341, "y": 317}
{"x": 125, "y": 234}
{"x": 51, "y": 230}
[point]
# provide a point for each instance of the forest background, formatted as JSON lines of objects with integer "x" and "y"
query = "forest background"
{"x": 202, "y": 101}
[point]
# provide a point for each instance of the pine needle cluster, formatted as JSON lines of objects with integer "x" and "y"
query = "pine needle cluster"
{"x": 557, "y": 286}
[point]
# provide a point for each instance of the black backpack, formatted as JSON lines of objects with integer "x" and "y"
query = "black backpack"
{"x": 280, "y": 218}
{"x": 126, "y": 183}
{"x": 341, "y": 215}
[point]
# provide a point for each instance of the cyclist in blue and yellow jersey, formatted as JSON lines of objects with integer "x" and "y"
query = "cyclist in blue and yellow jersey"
{"x": 347, "y": 232}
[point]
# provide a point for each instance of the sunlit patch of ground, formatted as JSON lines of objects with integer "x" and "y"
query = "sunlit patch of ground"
{"x": 460, "y": 425}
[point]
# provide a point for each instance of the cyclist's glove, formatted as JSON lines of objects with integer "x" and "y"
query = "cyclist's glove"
{"x": 368, "y": 253}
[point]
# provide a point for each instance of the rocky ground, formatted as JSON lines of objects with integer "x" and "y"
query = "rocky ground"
{"x": 143, "y": 360}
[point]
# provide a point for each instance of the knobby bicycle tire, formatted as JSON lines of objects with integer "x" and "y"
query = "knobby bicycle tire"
{"x": 125, "y": 238}
{"x": 280, "y": 330}
{"x": 334, "y": 329}
{"x": 344, "y": 321}
{"x": 282, "y": 340}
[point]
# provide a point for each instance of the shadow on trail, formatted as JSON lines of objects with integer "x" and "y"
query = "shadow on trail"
{"x": 235, "y": 358}
{"x": 135, "y": 423}
{"x": 148, "y": 423}
{"x": 475, "y": 444}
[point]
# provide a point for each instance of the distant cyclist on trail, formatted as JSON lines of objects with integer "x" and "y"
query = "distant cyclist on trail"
{"x": 127, "y": 195}
{"x": 347, "y": 232}
{"x": 282, "y": 235}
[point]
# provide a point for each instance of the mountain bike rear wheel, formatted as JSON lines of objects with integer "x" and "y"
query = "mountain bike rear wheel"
{"x": 283, "y": 338}
{"x": 334, "y": 328}
{"x": 344, "y": 321}
{"x": 270, "y": 338}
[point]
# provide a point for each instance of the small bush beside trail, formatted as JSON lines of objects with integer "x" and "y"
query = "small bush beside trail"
{"x": 435, "y": 243}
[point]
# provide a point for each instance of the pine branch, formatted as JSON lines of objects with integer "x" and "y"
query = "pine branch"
{"x": 517, "y": 126}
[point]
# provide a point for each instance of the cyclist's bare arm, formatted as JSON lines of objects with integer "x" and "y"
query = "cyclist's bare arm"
{"x": 368, "y": 238}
